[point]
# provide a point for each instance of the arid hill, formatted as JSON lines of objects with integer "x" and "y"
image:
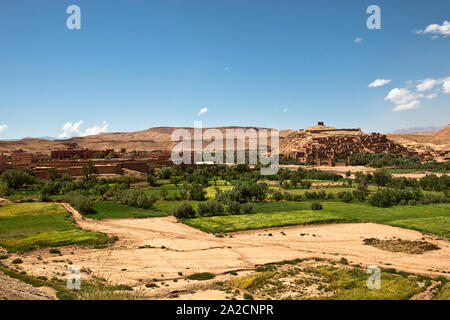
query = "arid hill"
{"x": 153, "y": 139}
{"x": 159, "y": 139}
{"x": 444, "y": 132}
{"x": 423, "y": 142}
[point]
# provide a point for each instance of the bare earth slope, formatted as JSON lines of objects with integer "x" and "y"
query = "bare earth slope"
{"x": 153, "y": 139}
{"x": 13, "y": 289}
{"x": 439, "y": 140}
{"x": 162, "y": 248}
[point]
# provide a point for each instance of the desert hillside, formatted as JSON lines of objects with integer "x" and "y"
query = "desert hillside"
{"x": 153, "y": 139}
{"x": 439, "y": 140}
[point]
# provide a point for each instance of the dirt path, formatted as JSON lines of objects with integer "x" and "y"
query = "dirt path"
{"x": 162, "y": 248}
{"x": 428, "y": 294}
{"x": 13, "y": 289}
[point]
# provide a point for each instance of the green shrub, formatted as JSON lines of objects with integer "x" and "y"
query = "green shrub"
{"x": 55, "y": 251}
{"x": 330, "y": 196}
{"x": 145, "y": 201}
{"x": 201, "y": 276}
{"x": 287, "y": 196}
{"x": 277, "y": 196}
{"x": 412, "y": 202}
{"x": 316, "y": 205}
{"x": 80, "y": 202}
{"x": 382, "y": 198}
{"x": 44, "y": 197}
{"x": 16, "y": 179}
{"x": 164, "y": 193}
{"x": 211, "y": 207}
{"x": 151, "y": 180}
{"x": 234, "y": 207}
{"x": 248, "y": 296}
{"x": 4, "y": 189}
{"x": 17, "y": 261}
{"x": 347, "y": 197}
{"x": 183, "y": 211}
{"x": 197, "y": 192}
{"x": 322, "y": 195}
{"x": 311, "y": 195}
{"x": 247, "y": 207}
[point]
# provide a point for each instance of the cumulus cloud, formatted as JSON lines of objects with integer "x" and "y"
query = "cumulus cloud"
{"x": 404, "y": 99}
{"x": 3, "y": 127}
{"x": 406, "y": 106}
{"x": 73, "y": 129}
{"x": 358, "y": 40}
{"x": 91, "y": 131}
{"x": 202, "y": 111}
{"x": 414, "y": 94}
{"x": 446, "y": 85}
{"x": 379, "y": 83}
{"x": 427, "y": 84}
{"x": 400, "y": 96}
{"x": 436, "y": 29}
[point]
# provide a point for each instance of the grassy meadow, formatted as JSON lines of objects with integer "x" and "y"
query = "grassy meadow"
{"x": 114, "y": 210}
{"x": 433, "y": 218}
{"x": 28, "y": 226}
{"x": 331, "y": 282}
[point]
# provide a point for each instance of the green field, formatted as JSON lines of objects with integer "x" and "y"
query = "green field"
{"x": 333, "y": 283}
{"x": 433, "y": 219}
{"x": 444, "y": 293}
{"x": 114, "y": 210}
{"x": 28, "y": 226}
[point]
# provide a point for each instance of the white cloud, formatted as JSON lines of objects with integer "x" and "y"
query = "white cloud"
{"x": 202, "y": 111}
{"x": 358, "y": 40}
{"x": 411, "y": 105}
{"x": 403, "y": 99}
{"x": 436, "y": 29}
{"x": 408, "y": 98}
{"x": 427, "y": 84}
{"x": 379, "y": 83}
{"x": 73, "y": 129}
{"x": 401, "y": 96}
{"x": 285, "y": 110}
{"x": 96, "y": 129}
{"x": 3, "y": 127}
{"x": 446, "y": 85}
{"x": 227, "y": 68}
{"x": 432, "y": 96}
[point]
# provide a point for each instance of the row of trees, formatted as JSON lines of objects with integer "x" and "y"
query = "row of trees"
{"x": 398, "y": 161}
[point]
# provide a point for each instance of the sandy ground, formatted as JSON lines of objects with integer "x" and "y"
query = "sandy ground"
{"x": 13, "y": 289}
{"x": 176, "y": 248}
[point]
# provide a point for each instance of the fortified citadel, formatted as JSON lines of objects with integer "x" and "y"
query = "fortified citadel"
{"x": 327, "y": 145}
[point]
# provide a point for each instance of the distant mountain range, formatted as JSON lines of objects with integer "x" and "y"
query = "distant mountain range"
{"x": 419, "y": 130}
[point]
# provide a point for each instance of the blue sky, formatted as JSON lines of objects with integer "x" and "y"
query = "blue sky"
{"x": 283, "y": 64}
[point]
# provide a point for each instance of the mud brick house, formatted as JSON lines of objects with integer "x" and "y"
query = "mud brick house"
{"x": 21, "y": 160}
{"x": 74, "y": 168}
{"x": 324, "y": 145}
{"x": 73, "y": 153}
